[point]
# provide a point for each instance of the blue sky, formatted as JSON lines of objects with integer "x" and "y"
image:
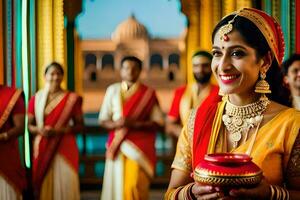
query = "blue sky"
{"x": 99, "y": 18}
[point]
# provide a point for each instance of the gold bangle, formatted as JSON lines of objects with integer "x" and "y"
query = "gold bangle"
{"x": 279, "y": 193}
{"x": 272, "y": 192}
{"x": 190, "y": 194}
{"x": 172, "y": 194}
{"x": 4, "y": 135}
{"x": 185, "y": 192}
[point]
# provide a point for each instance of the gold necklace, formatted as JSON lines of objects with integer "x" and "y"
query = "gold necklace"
{"x": 239, "y": 120}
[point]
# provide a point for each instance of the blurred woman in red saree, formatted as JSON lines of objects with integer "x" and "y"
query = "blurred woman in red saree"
{"x": 12, "y": 112}
{"x": 54, "y": 115}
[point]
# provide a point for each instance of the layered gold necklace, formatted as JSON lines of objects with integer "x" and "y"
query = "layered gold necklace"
{"x": 239, "y": 120}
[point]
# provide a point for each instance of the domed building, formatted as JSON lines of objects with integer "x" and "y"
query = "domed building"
{"x": 132, "y": 38}
{"x": 160, "y": 56}
{"x": 130, "y": 29}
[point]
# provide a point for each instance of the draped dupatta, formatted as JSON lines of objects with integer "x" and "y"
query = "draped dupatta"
{"x": 205, "y": 116}
{"x": 10, "y": 167}
{"x": 137, "y": 107}
{"x": 45, "y": 148}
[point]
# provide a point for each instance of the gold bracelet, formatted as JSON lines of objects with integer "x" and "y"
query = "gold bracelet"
{"x": 172, "y": 194}
{"x": 279, "y": 193}
{"x": 185, "y": 192}
{"x": 4, "y": 135}
{"x": 272, "y": 192}
{"x": 190, "y": 194}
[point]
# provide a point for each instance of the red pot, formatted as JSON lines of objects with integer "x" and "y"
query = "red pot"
{"x": 227, "y": 169}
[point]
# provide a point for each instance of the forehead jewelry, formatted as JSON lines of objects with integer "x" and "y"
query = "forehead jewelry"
{"x": 227, "y": 28}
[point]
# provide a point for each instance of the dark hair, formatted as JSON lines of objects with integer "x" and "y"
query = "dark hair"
{"x": 134, "y": 59}
{"x": 56, "y": 65}
{"x": 255, "y": 39}
{"x": 287, "y": 63}
{"x": 202, "y": 53}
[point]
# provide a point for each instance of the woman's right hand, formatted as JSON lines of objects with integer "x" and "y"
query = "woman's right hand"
{"x": 206, "y": 192}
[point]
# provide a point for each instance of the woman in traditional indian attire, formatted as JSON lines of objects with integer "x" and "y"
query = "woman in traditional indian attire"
{"x": 12, "y": 120}
{"x": 248, "y": 46}
{"x": 55, "y": 115}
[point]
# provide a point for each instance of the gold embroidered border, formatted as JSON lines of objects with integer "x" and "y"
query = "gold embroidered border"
{"x": 52, "y": 104}
{"x": 68, "y": 107}
{"x": 266, "y": 30}
{"x": 9, "y": 107}
{"x": 190, "y": 126}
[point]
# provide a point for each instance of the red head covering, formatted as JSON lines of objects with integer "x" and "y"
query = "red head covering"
{"x": 269, "y": 27}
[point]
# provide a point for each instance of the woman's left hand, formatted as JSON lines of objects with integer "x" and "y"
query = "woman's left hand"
{"x": 261, "y": 191}
{"x": 48, "y": 131}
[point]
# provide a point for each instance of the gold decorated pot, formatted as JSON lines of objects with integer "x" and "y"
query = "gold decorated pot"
{"x": 227, "y": 169}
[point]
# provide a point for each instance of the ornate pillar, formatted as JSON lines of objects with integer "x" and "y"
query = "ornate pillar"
{"x": 191, "y": 10}
{"x": 229, "y": 6}
{"x": 216, "y": 11}
{"x": 267, "y": 6}
{"x": 297, "y": 18}
{"x": 8, "y": 54}
{"x": 44, "y": 38}
{"x": 50, "y": 37}
{"x": 79, "y": 70}
{"x": 32, "y": 46}
{"x": 243, "y": 4}
{"x": 206, "y": 24}
{"x": 285, "y": 21}
{"x": 276, "y": 9}
{"x": 71, "y": 8}
{"x": 58, "y": 28}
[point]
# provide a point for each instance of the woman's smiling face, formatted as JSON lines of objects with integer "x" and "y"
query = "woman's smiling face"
{"x": 235, "y": 64}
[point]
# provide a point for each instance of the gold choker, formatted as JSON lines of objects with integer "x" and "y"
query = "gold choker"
{"x": 239, "y": 120}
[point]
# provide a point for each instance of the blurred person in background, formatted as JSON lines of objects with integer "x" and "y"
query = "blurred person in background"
{"x": 131, "y": 113}
{"x": 12, "y": 123}
{"x": 291, "y": 71}
{"x": 191, "y": 96}
{"x": 54, "y": 116}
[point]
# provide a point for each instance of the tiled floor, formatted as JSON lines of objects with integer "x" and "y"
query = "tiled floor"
{"x": 95, "y": 195}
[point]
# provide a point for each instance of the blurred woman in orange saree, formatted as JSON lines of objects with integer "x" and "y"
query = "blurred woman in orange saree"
{"x": 54, "y": 115}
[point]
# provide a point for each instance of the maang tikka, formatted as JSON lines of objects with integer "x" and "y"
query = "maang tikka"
{"x": 227, "y": 28}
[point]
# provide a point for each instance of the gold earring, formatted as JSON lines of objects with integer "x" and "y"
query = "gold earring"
{"x": 262, "y": 86}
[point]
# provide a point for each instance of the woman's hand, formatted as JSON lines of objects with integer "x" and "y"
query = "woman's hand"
{"x": 261, "y": 191}
{"x": 206, "y": 192}
{"x": 3, "y": 136}
{"x": 47, "y": 131}
{"x": 119, "y": 123}
{"x": 124, "y": 123}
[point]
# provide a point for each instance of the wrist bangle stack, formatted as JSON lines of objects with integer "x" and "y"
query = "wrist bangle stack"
{"x": 172, "y": 194}
{"x": 279, "y": 193}
{"x": 186, "y": 192}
